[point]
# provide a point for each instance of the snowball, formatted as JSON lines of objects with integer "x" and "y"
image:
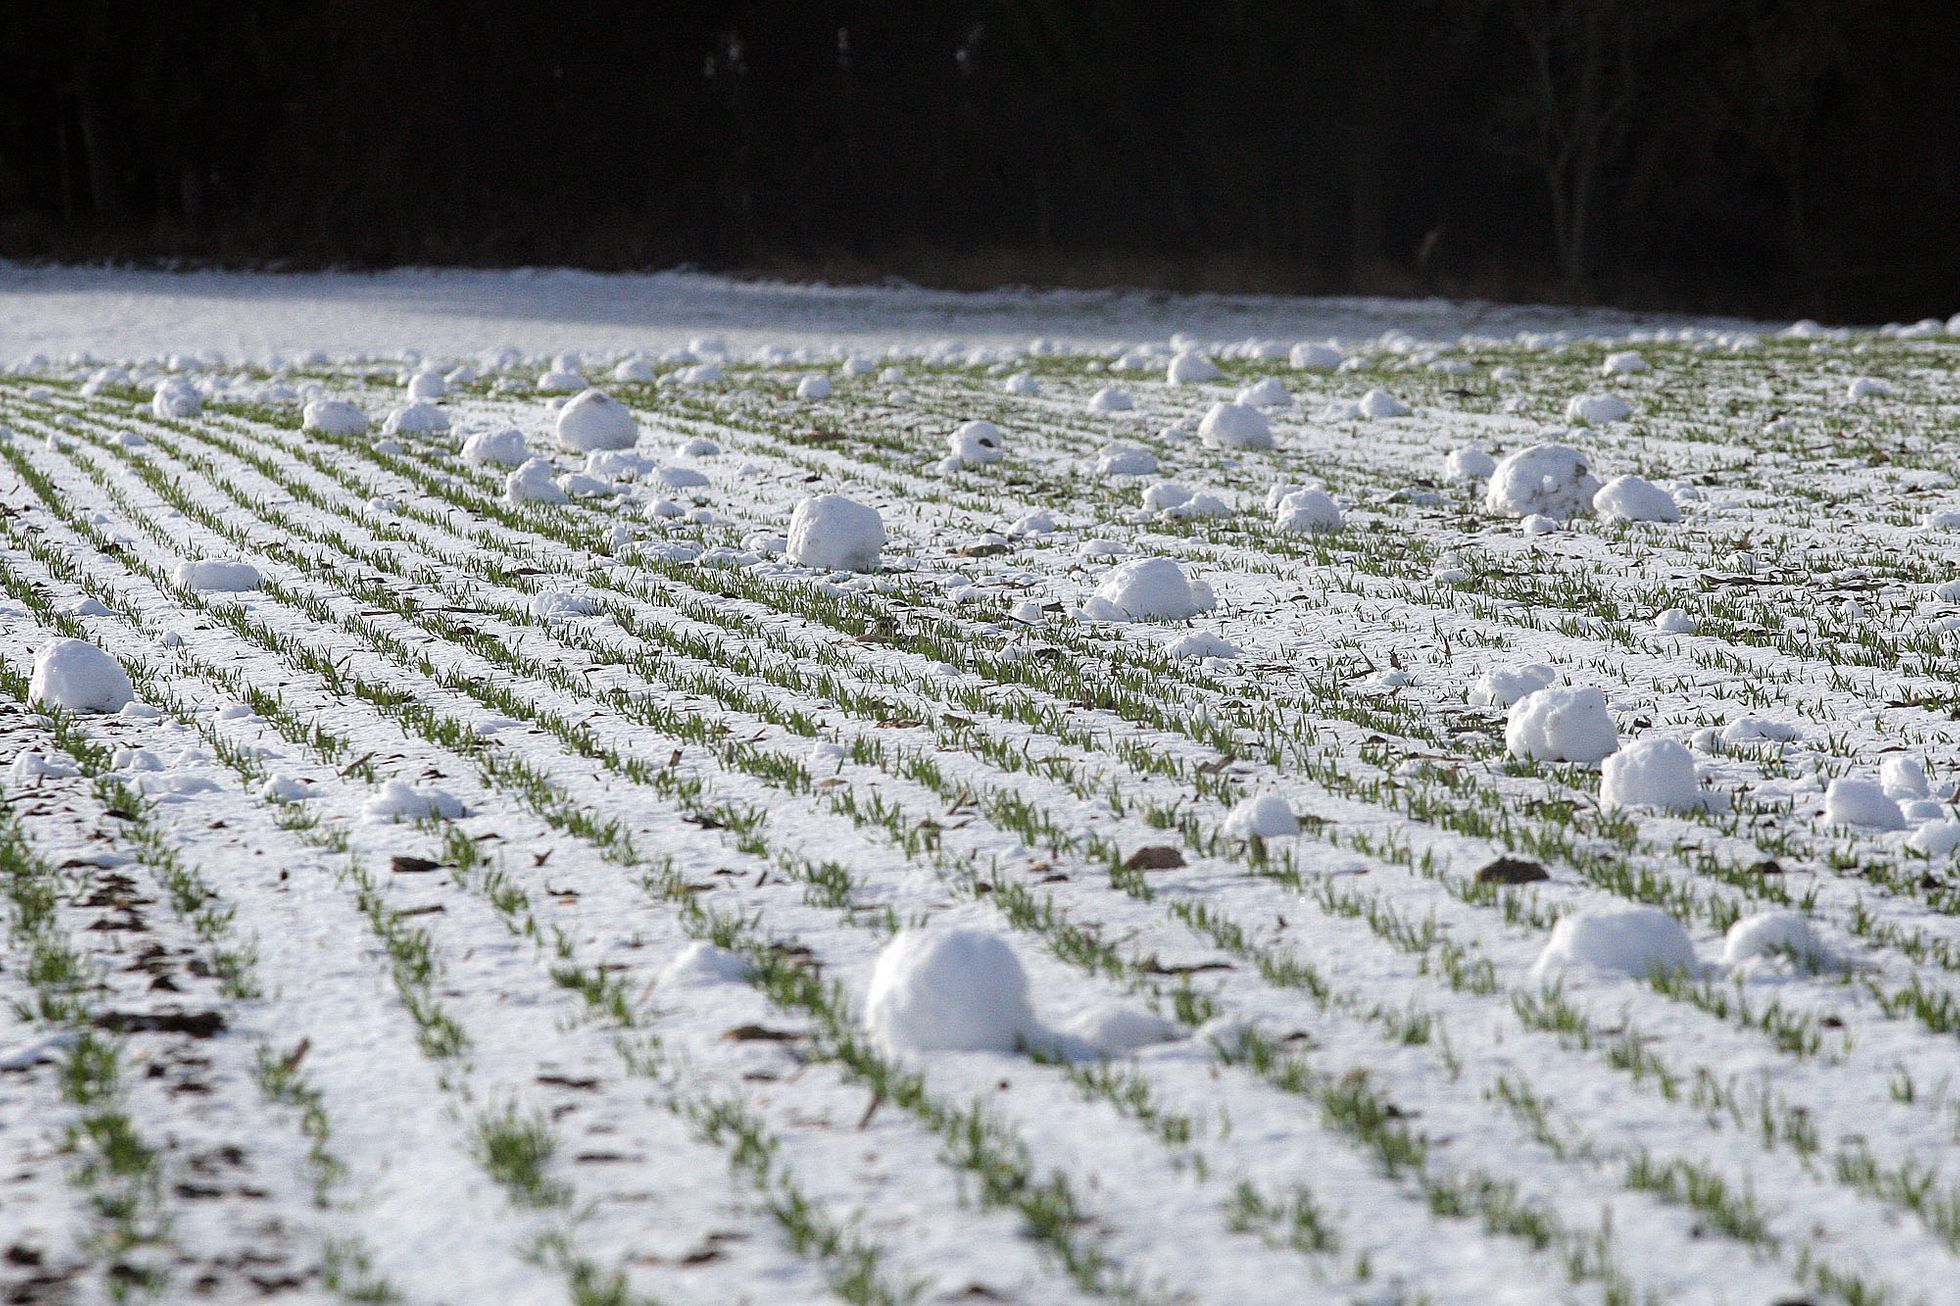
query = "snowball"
{"x": 1110, "y": 400}
{"x": 1189, "y": 369}
{"x": 1638, "y": 941}
{"x": 1268, "y": 393}
{"x": 1597, "y": 410}
{"x": 1676, "y": 621}
{"x": 814, "y": 386}
{"x": 1549, "y": 480}
{"x": 279, "y": 787}
{"x": 977, "y": 443}
{"x": 1903, "y": 777}
{"x": 1038, "y": 522}
{"x": 701, "y": 963}
{"x": 217, "y": 576}
{"x": 1021, "y": 384}
{"x": 398, "y": 801}
{"x": 1164, "y": 494}
{"x": 1235, "y": 426}
{"x": 948, "y": 990}
{"x": 561, "y": 605}
{"x": 1308, "y": 510}
{"x": 1630, "y": 498}
{"x": 1773, "y": 934}
{"x": 1501, "y": 686}
{"x": 427, "y": 385}
{"x": 1380, "y": 403}
{"x": 1558, "y": 724}
{"x": 416, "y": 418}
{"x": 333, "y": 417}
{"x": 76, "y": 675}
{"x": 1469, "y": 464}
{"x": 561, "y": 380}
{"x": 834, "y": 533}
{"x": 1122, "y": 458}
{"x": 1315, "y": 358}
{"x": 533, "y": 483}
{"x": 1851, "y": 801}
{"x": 1148, "y": 589}
{"x": 1936, "y": 838}
{"x": 1867, "y": 387}
{"x": 596, "y": 420}
{"x": 1651, "y": 773}
{"x": 504, "y": 448}
{"x": 1625, "y": 363}
{"x": 633, "y": 370}
{"x": 1263, "y": 816}
{"x": 176, "y": 398}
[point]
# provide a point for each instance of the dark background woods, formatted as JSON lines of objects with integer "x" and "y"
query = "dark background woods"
{"x": 1794, "y": 157}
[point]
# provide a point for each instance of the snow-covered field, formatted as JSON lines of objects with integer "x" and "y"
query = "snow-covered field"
{"x": 1252, "y": 820}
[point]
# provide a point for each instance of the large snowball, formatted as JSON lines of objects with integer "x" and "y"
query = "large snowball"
{"x": 596, "y": 420}
{"x": 1559, "y": 724}
{"x": 1235, "y": 426}
{"x": 1548, "y": 480}
{"x": 1147, "y": 589}
{"x": 1638, "y": 941}
{"x": 949, "y": 990}
{"x": 1650, "y": 773}
{"x": 836, "y": 534}
{"x": 333, "y": 417}
{"x": 76, "y": 675}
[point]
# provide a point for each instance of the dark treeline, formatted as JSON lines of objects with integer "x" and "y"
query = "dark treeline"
{"x": 1772, "y": 156}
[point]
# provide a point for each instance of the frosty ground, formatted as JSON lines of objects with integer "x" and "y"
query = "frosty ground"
{"x": 1458, "y": 813}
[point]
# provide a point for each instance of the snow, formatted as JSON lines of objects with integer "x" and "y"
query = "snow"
{"x": 76, "y": 675}
{"x": 1308, "y": 510}
{"x": 1262, "y": 816}
{"x": 1561, "y": 724}
{"x": 176, "y": 398}
{"x": 1380, "y": 403}
{"x": 334, "y": 417}
{"x": 1774, "y": 935}
{"x": 703, "y": 963}
{"x": 1651, "y": 773}
{"x": 1110, "y": 400}
{"x": 1202, "y": 644}
{"x": 814, "y": 386}
{"x": 1469, "y": 464}
{"x": 1503, "y": 686}
{"x": 1235, "y": 426}
{"x": 1269, "y": 393}
{"x": 1315, "y": 358}
{"x": 397, "y": 800}
{"x": 948, "y": 990}
{"x": 1121, "y": 458}
{"x": 1624, "y": 362}
{"x": 415, "y": 419}
{"x": 1548, "y": 480}
{"x": 833, "y": 533}
{"x": 496, "y": 448}
{"x": 217, "y": 575}
{"x": 1867, "y": 387}
{"x": 1616, "y": 941}
{"x": 1597, "y": 410}
{"x": 975, "y": 444}
{"x": 1148, "y": 589}
{"x": 1190, "y": 369}
{"x": 1854, "y": 801}
{"x": 1629, "y": 498}
{"x": 534, "y": 481}
{"x": 596, "y": 420}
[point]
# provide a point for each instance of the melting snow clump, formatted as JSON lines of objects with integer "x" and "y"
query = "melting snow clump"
{"x": 949, "y": 990}
{"x": 1503, "y": 686}
{"x": 398, "y": 801}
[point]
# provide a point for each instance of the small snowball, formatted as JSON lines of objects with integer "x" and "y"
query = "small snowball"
{"x": 1263, "y": 816}
{"x": 1559, "y": 724}
{"x": 415, "y": 419}
{"x": 1597, "y": 410}
{"x": 398, "y": 801}
{"x": 831, "y": 532}
{"x": 596, "y": 420}
{"x": 949, "y": 990}
{"x": 1550, "y": 480}
{"x": 1676, "y": 621}
{"x": 1503, "y": 686}
{"x": 1637, "y": 941}
{"x": 1235, "y": 426}
{"x": 1772, "y": 935}
{"x": 332, "y": 417}
{"x": 1110, "y": 400}
{"x": 1651, "y": 773}
{"x": 1308, "y": 510}
{"x": 217, "y": 576}
{"x": 1469, "y": 464}
{"x": 76, "y": 675}
{"x": 1122, "y": 458}
{"x": 814, "y": 386}
{"x": 503, "y": 448}
{"x": 1630, "y": 498}
{"x": 533, "y": 482}
{"x": 1850, "y": 801}
{"x": 1191, "y": 368}
{"x": 1380, "y": 403}
{"x": 1146, "y": 589}
{"x": 1625, "y": 363}
{"x": 977, "y": 443}
{"x": 701, "y": 963}
{"x": 1315, "y": 358}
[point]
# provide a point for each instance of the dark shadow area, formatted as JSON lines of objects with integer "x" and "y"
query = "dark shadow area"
{"x": 1767, "y": 157}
